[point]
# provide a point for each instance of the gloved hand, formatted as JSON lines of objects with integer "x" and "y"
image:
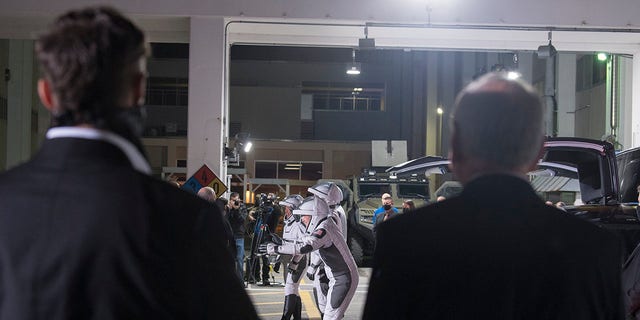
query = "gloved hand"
{"x": 262, "y": 248}
{"x": 276, "y": 239}
{"x": 311, "y": 272}
{"x": 271, "y": 248}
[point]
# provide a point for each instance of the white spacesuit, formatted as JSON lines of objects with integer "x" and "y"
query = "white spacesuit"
{"x": 325, "y": 236}
{"x": 330, "y": 193}
{"x": 293, "y": 230}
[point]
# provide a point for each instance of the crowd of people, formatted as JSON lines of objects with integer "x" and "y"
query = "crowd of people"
{"x": 152, "y": 251}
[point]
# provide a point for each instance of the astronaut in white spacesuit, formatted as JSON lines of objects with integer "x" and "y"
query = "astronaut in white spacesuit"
{"x": 330, "y": 193}
{"x": 292, "y": 231}
{"x": 325, "y": 236}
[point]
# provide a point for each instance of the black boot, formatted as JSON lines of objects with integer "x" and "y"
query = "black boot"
{"x": 297, "y": 314}
{"x": 291, "y": 304}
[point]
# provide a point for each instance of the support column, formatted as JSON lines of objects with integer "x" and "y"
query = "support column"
{"x": 549, "y": 94}
{"x": 635, "y": 115}
{"x": 19, "y": 101}
{"x": 626, "y": 73}
{"x": 432, "y": 102}
{"x": 207, "y": 120}
{"x": 566, "y": 94}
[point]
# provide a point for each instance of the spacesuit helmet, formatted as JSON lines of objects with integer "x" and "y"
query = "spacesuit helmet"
{"x": 293, "y": 201}
{"x": 327, "y": 191}
{"x": 311, "y": 207}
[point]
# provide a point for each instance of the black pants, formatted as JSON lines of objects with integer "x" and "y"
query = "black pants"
{"x": 254, "y": 262}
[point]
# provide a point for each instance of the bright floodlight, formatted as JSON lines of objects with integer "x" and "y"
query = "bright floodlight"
{"x": 354, "y": 70}
{"x": 247, "y": 146}
{"x": 440, "y": 110}
{"x": 602, "y": 56}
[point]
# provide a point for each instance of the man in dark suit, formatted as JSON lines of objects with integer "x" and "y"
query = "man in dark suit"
{"x": 478, "y": 257}
{"x": 85, "y": 232}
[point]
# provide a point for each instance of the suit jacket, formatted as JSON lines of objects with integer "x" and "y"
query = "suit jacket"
{"x": 495, "y": 252}
{"x": 84, "y": 236}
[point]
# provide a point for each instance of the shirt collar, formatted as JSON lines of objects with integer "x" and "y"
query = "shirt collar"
{"x": 135, "y": 157}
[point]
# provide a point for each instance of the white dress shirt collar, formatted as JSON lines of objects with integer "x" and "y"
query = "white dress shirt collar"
{"x": 135, "y": 157}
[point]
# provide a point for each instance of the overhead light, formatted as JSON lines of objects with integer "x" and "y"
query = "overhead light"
{"x": 353, "y": 68}
{"x": 440, "y": 110}
{"x": 293, "y": 165}
{"x": 247, "y": 146}
{"x": 292, "y": 168}
{"x": 547, "y": 51}
{"x": 513, "y": 75}
{"x": 357, "y": 89}
{"x": 602, "y": 56}
{"x": 366, "y": 43}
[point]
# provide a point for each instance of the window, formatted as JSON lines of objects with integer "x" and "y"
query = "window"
{"x": 167, "y": 91}
{"x": 292, "y": 170}
{"x": 345, "y": 96}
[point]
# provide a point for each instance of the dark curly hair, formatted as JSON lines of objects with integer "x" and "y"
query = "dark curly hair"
{"x": 90, "y": 56}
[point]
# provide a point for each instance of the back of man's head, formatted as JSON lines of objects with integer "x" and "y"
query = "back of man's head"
{"x": 91, "y": 59}
{"x": 207, "y": 193}
{"x": 497, "y": 125}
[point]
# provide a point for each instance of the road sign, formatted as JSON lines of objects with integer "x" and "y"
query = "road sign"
{"x": 205, "y": 177}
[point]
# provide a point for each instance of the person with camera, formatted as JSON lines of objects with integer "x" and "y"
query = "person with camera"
{"x": 237, "y": 215}
{"x": 267, "y": 217}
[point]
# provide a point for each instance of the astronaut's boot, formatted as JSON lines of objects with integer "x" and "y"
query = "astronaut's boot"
{"x": 291, "y": 303}
{"x": 297, "y": 314}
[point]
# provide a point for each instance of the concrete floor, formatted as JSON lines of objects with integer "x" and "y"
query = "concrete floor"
{"x": 269, "y": 301}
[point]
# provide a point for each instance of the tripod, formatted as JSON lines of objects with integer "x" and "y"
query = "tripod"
{"x": 260, "y": 231}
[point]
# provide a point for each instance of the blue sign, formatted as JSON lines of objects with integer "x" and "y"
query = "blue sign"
{"x": 192, "y": 185}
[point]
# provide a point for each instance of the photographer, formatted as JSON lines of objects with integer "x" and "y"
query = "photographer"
{"x": 267, "y": 216}
{"x": 237, "y": 214}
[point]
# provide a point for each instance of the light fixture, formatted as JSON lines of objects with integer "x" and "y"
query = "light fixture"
{"x": 513, "y": 75}
{"x": 293, "y": 165}
{"x": 240, "y": 142}
{"x": 366, "y": 43}
{"x": 247, "y": 146}
{"x": 602, "y": 56}
{"x": 353, "y": 68}
{"x": 440, "y": 111}
{"x": 548, "y": 51}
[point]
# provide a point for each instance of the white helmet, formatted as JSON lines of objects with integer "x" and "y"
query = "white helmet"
{"x": 327, "y": 191}
{"x": 311, "y": 207}
{"x": 293, "y": 201}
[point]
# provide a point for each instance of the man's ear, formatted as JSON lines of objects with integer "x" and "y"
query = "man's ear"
{"x": 46, "y": 94}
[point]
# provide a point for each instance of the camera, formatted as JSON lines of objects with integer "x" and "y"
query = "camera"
{"x": 237, "y": 202}
{"x": 264, "y": 201}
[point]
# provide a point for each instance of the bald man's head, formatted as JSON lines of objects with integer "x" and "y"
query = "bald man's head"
{"x": 497, "y": 125}
{"x": 207, "y": 193}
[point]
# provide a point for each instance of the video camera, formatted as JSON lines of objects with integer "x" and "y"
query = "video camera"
{"x": 265, "y": 200}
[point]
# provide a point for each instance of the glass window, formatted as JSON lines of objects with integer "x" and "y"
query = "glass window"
{"x": 372, "y": 190}
{"x": 266, "y": 170}
{"x": 413, "y": 190}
